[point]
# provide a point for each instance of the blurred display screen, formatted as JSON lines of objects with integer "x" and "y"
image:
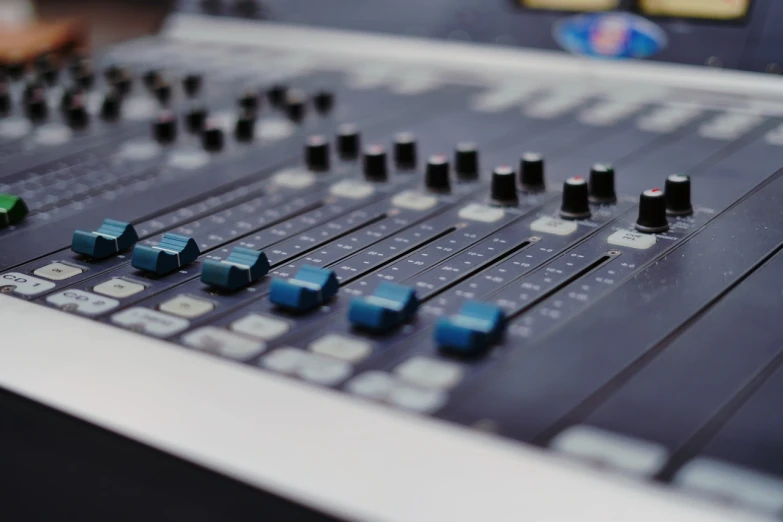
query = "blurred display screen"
{"x": 572, "y": 5}
{"x": 711, "y": 9}
{"x": 704, "y": 9}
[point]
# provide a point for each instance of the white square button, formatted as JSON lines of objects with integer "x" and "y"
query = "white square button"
{"x": 341, "y": 347}
{"x": 430, "y": 373}
{"x": 82, "y": 302}
{"x": 553, "y": 225}
{"x": 119, "y": 288}
{"x": 631, "y": 239}
{"x": 481, "y": 213}
{"x": 260, "y": 326}
{"x": 186, "y": 306}
{"x": 58, "y": 271}
{"x": 222, "y": 342}
{"x": 24, "y": 284}
{"x": 414, "y": 200}
{"x": 351, "y": 189}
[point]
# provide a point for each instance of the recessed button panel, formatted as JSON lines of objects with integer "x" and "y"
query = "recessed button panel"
{"x": 186, "y": 306}
{"x": 58, "y": 271}
{"x": 119, "y": 288}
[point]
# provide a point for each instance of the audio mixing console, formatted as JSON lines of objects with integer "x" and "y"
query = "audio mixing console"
{"x": 237, "y": 234}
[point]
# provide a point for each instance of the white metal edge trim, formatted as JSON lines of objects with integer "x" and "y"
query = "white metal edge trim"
{"x": 502, "y": 62}
{"x": 315, "y": 446}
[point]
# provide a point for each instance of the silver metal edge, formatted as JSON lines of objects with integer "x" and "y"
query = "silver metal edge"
{"x": 314, "y": 446}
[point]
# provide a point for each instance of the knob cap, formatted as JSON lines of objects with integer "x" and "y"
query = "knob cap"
{"x": 36, "y": 106}
{"x": 276, "y": 94}
{"x": 652, "y": 212}
{"x": 575, "y": 203}
{"x": 5, "y": 98}
{"x": 245, "y": 127}
{"x": 49, "y": 75}
{"x": 152, "y": 77}
{"x": 16, "y": 70}
{"x": 248, "y": 101}
{"x": 436, "y": 176}
{"x": 191, "y": 84}
{"x": 77, "y": 115}
{"x": 68, "y": 96}
{"x": 31, "y": 88}
{"x": 348, "y": 141}
{"x": 323, "y": 101}
{"x": 111, "y": 106}
{"x": 316, "y": 153}
{"x": 85, "y": 79}
{"x": 162, "y": 91}
{"x": 195, "y": 118}
{"x": 504, "y": 185}
{"x": 678, "y": 195}
{"x": 602, "y": 184}
{"x": 405, "y": 151}
{"x": 295, "y": 105}
{"x": 531, "y": 172}
{"x": 375, "y": 167}
{"x": 164, "y": 129}
{"x": 466, "y": 161}
{"x": 122, "y": 81}
{"x": 212, "y": 138}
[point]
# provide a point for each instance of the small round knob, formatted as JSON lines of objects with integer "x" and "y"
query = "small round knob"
{"x": 195, "y": 118}
{"x": 212, "y": 138}
{"x": 5, "y": 98}
{"x": 85, "y": 79}
{"x": 80, "y": 65}
{"x": 323, "y": 101}
{"x": 245, "y": 127}
{"x": 49, "y": 75}
{"x": 295, "y": 105}
{"x": 375, "y": 167}
{"x": 466, "y": 161}
{"x": 436, "y": 176}
{"x": 405, "y": 151}
{"x": 652, "y": 212}
{"x": 31, "y": 88}
{"x": 348, "y": 141}
{"x": 68, "y": 96}
{"x": 248, "y": 101}
{"x": 111, "y": 106}
{"x": 575, "y": 203}
{"x": 152, "y": 77}
{"x": 276, "y": 94}
{"x": 162, "y": 91}
{"x": 191, "y": 84}
{"x": 531, "y": 172}
{"x": 15, "y": 70}
{"x": 76, "y": 114}
{"x": 602, "y": 184}
{"x": 503, "y": 187}
{"x": 123, "y": 82}
{"x": 164, "y": 129}
{"x": 36, "y": 106}
{"x": 316, "y": 153}
{"x": 678, "y": 195}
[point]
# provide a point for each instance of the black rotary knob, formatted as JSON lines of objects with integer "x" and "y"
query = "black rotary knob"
{"x": 31, "y": 88}
{"x": 195, "y": 118}
{"x": 316, "y": 153}
{"x": 69, "y": 95}
{"x": 15, "y": 70}
{"x": 152, "y": 77}
{"x": 531, "y": 172}
{"x": 191, "y": 84}
{"x": 162, "y": 91}
{"x": 112, "y": 72}
{"x": 36, "y": 106}
{"x": 5, "y": 98}
{"x": 323, "y": 101}
{"x": 295, "y": 105}
{"x": 602, "y": 184}
{"x": 76, "y": 114}
{"x": 652, "y": 212}
{"x": 466, "y": 161}
{"x": 212, "y": 138}
{"x": 405, "y": 151}
{"x": 503, "y": 187}
{"x": 49, "y": 74}
{"x": 436, "y": 176}
{"x": 123, "y": 82}
{"x": 164, "y": 129}
{"x": 245, "y": 127}
{"x": 375, "y": 164}
{"x": 248, "y": 101}
{"x": 111, "y": 106}
{"x": 80, "y": 65}
{"x": 575, "y": 203}
{"x": 678, "y": 195}
{"x": 348, "y": 141}
{"x": 85, "y": 79}
{"x": 276, "y": 94}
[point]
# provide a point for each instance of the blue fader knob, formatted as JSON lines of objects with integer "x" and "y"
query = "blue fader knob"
{"x": 389, "y": 306}
{"x": 310, "y": 287}
{"x": 475, "y": 327}
{"x": 173, "y": 252}
{"x": 242, "y": 267}
{"x": 112, "y": 237}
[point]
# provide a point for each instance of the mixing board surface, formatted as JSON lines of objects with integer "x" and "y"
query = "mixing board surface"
{"x": 576, "y": 260}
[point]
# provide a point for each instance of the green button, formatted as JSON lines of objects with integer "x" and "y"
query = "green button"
{"x": 12, "y": 210}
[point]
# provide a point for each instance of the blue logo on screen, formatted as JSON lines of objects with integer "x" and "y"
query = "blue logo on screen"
{"x": 610, "y": 35}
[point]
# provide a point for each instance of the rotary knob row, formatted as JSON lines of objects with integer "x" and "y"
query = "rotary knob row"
{"x": 656, "y": 204}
